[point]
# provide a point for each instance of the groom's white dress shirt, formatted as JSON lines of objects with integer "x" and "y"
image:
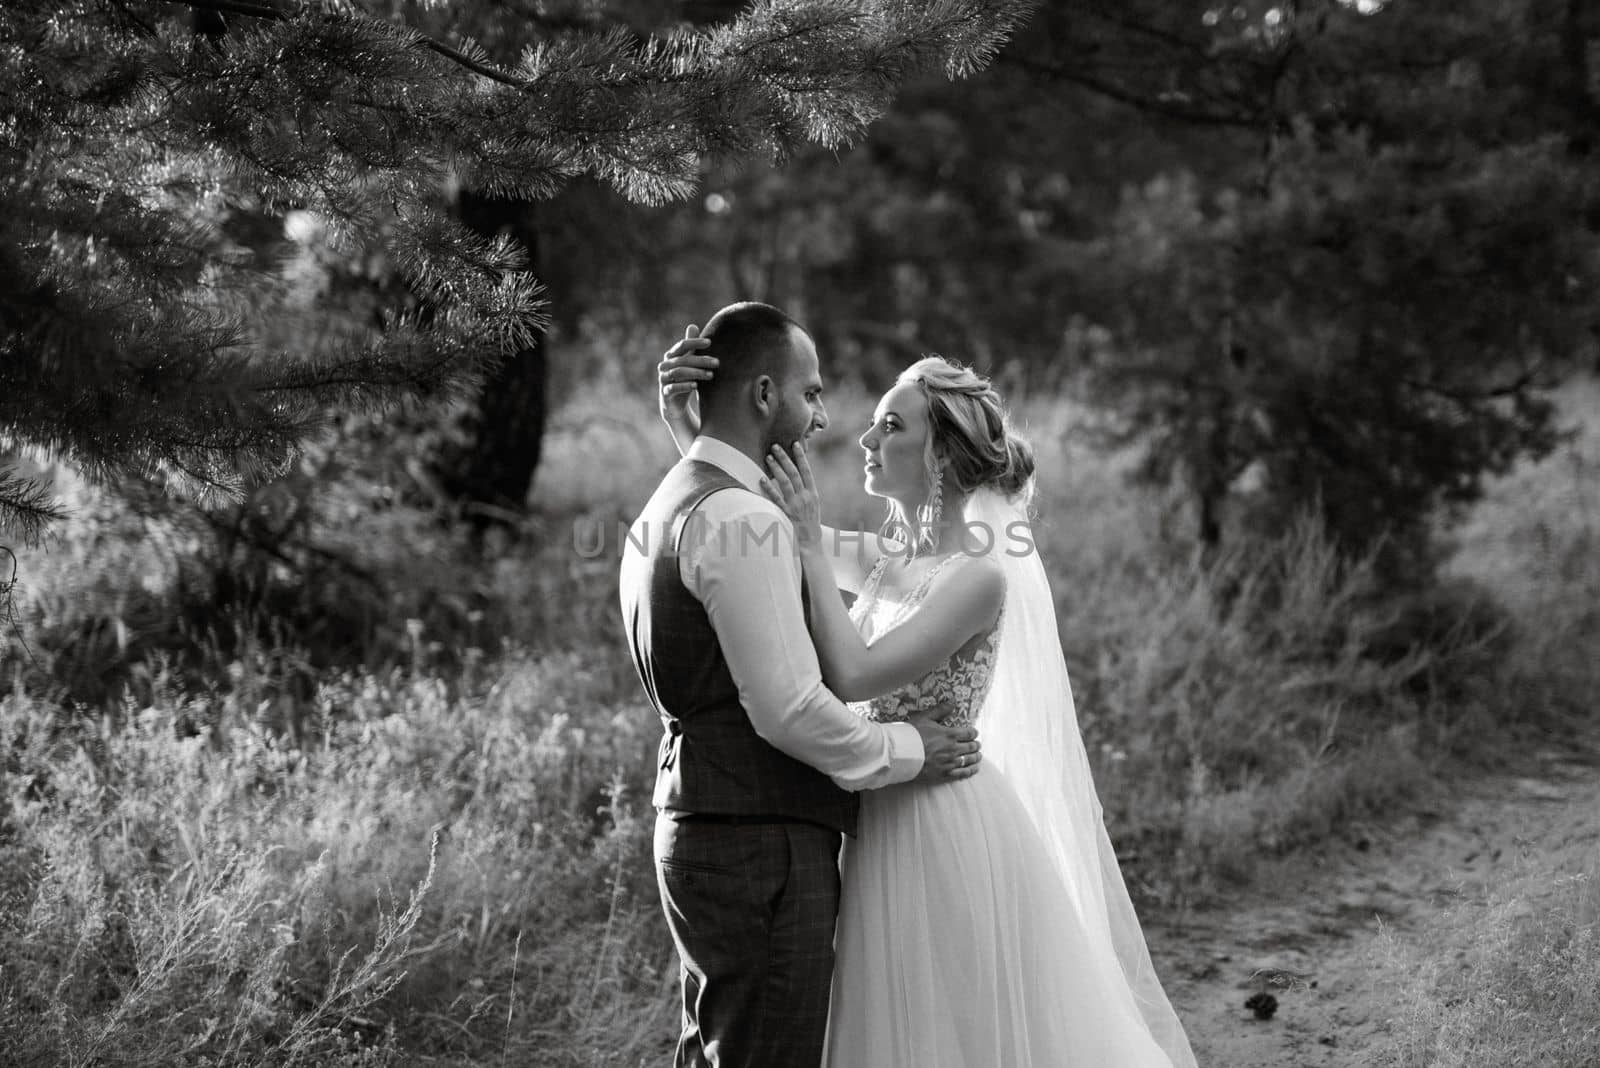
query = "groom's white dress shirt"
{"x": 738, "y": 559}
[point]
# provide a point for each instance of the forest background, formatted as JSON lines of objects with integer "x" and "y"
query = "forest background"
{"x": 327, "y": 347}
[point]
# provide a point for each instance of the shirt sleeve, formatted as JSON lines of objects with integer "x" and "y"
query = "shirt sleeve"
{"x": 737, "y": 557}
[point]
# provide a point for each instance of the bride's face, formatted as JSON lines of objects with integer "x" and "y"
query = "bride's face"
{"x": 895, "y": 446}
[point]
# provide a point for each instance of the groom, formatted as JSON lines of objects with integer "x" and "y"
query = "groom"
{"x": 758, "y": 760}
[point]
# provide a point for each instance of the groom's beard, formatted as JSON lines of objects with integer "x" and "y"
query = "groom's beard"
{"x": 787, "y": 435}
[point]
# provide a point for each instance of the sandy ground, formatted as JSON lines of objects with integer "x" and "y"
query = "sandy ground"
{"x": 1314, "y": 923}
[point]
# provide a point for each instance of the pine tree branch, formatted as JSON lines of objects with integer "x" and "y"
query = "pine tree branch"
{"x": 26, "y": 506}
{"x": 234, "y": 7}
{"x": 127, "y": 13}
{"x": 1468, "y": 397}
{"x": 231, "y": 528}
{"x": 136, "y": 326}
{"x": 455, "y": 55}
{"x": 1154, "y": 106}
{"x": 1115, "y": 14}
{"x": 8, "y": 599}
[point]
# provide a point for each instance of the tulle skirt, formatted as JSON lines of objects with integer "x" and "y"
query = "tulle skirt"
{"x": 958, "y": 944}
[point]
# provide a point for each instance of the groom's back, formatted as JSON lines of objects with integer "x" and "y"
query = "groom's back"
{"x": 712, "y": 761}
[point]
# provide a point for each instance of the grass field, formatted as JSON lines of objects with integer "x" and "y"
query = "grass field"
{"x": 266, "y": 854}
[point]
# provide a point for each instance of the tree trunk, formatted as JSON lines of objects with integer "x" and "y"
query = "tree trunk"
{"x": 491, "y": 474}
{"x": 1577, "y": 28}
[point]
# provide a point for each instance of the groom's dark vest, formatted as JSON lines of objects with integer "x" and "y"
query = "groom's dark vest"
{"x": 712, "y": 762}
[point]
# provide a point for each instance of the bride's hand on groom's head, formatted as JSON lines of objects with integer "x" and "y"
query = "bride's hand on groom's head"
{"x": 790, "y": 486}
{"x": 681, "y": 370}
{"x": 949, "y": 753}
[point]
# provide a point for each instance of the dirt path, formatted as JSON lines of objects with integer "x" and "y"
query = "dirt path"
{"x": 1320, "y": 917}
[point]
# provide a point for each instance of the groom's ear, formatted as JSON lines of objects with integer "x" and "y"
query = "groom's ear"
{"x": 763, "y": 392}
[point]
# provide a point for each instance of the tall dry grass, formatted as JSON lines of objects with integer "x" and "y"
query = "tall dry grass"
{"x": 442, "y": 877}
{"x": 446, "y": 860}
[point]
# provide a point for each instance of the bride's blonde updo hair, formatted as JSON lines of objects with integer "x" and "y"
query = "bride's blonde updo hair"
{"x": 971, "y": 429}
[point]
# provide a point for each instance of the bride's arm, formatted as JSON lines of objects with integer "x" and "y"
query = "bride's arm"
{"x": 959, "y": 606}
{"x": 678, "y": 376}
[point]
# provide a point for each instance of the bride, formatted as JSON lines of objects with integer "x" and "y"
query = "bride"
{"x": 983, "y": 923}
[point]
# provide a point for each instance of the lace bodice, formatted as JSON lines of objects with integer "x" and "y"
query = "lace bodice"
{"x": 956, "y": 688}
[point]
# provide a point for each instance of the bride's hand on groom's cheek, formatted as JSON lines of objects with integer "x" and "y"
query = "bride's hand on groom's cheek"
{"x": 790, "y": 486}
{"x": 949, "y": 753}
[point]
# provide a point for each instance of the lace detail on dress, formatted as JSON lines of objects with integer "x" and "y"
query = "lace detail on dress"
{"x": 956, "y": 688}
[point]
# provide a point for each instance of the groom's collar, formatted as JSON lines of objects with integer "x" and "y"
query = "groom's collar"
{"x": 719, "y": 453}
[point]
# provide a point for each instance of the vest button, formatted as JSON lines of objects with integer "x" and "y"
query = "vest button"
{"x": 674, "y": 728}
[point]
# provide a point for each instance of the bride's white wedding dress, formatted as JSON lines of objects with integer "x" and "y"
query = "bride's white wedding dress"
{"x": 965, "y": 940}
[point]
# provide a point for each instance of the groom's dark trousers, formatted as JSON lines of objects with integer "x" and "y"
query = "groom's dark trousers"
{"x": 751, "y": 908}
{"x": 747, "y": 838}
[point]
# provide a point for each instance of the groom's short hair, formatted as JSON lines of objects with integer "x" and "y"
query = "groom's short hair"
{"x": 749, "y": 339}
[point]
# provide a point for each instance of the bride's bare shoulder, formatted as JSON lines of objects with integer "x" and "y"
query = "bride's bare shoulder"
{"x": 974, "y": 583}
{"x": 985, "y": 574}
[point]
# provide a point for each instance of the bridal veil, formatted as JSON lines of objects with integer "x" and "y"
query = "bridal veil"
{"x": 1029, "y": 729}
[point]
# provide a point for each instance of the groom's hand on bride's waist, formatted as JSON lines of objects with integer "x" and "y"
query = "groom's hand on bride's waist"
{"x": 949, "y": 753}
